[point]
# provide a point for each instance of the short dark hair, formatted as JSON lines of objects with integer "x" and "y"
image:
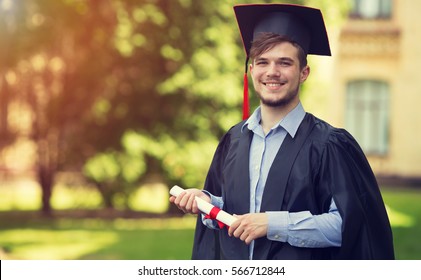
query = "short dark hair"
{"x": 267, "y": 40}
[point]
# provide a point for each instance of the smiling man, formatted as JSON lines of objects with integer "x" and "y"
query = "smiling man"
{"x": 300, "y": 188}
{"x": 277, "y": 74}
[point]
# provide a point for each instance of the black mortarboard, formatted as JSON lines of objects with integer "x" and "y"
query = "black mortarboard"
{"x": 303, "y": 25}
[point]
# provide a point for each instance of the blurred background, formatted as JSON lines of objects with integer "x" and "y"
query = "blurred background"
{"x": 106, "y": 104}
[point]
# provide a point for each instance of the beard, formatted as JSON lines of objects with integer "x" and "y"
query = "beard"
{"x": 279, "y": 102}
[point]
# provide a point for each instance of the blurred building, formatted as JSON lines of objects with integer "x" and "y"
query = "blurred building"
{"x": 377, "y": 85}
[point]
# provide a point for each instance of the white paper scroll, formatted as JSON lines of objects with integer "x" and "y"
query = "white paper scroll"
{"x": 206, "y": 207}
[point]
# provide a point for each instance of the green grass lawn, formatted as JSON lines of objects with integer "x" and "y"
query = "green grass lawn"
{"x": 149, "y": 239}
{"x": 404, "y": 207}
{"x": 25, "y": 235}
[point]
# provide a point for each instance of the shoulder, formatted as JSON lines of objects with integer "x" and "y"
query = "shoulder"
{"x": 230, "y": 137}
{"x": 335, "y": 146}
{"x": 327, "y": 135}
{"x": 328, "y": 142}
{"x": 236, "y": 130}
{"x": 233, "y": 133}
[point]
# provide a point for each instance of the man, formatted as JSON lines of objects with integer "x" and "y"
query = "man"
{"x": 300, "y": 188}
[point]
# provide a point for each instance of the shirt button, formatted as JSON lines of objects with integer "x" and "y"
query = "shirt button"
{"x": 276, "y": 236}
{"x": 256, "y": 167}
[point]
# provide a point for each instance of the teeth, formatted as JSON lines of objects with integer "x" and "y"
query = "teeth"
{"x": 272, "y": 84}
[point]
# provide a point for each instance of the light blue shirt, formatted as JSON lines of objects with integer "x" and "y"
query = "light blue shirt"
{"x": 301, "y": 229}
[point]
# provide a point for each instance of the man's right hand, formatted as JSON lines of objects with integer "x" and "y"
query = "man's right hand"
{"x": 185, "y": 201}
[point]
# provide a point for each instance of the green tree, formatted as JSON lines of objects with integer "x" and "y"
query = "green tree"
{"x": 67, "y": 50}
{"x": 13, "y": 32}
{"x": 181, "y": 88}
{"x": 124, "y": 89}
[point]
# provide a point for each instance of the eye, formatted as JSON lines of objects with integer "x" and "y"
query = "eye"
{"x": 286, "y": 63}
{"x": 261, "y": 63}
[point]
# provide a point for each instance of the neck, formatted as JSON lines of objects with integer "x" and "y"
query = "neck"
{"x": 273, "y": 115}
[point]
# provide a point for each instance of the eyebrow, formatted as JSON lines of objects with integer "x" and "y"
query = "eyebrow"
{"x": 280, "y": 59}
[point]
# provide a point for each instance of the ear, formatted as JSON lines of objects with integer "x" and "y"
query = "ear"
{"x": 251, "y": 67}
{"x": 305, "y": 72}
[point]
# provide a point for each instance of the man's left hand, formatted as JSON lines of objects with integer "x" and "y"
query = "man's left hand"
{"x": 249, "y": 227}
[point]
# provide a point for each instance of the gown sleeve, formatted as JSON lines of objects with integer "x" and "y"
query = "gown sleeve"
{"x": 345, "y": 171}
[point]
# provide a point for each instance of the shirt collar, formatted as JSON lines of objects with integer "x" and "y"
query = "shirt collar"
{"x": 290, "y": 122}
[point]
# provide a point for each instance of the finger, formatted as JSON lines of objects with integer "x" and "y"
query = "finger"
{"x": 195, "y": 208}
{"x": 233, "y": 227}
{"x": 248, "y": 240}
{"x": 238, "y": 232}
{"x": 243, "y": 236}
{"x": 184, "y": 200}
{"x": 190, "y": 201}
{"x": 179, "y": 197}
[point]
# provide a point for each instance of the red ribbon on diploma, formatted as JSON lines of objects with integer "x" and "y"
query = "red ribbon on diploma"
{"x": 212, "y": 215}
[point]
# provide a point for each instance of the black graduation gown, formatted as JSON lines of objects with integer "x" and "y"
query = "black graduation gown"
{"x": 319, "y": 163}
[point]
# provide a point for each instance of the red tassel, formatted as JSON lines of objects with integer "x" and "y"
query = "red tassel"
{"x": 246, "y": 109}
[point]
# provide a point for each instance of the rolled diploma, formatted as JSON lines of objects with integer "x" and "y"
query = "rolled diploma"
{"x": 206, "y": 207}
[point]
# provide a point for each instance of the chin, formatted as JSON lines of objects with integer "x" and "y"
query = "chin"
{"x": 275, "y": 104}
{"x": 280, "y": 102}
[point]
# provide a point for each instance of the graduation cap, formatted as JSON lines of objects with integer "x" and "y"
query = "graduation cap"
{"x": 302, "y": 25}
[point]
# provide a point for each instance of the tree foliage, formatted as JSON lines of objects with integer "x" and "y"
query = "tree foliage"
{"x": 120, "y": 90}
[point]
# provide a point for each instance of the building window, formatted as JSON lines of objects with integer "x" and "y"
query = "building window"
{"x": 367, "y": 115}
{"x": 371, "y": 9}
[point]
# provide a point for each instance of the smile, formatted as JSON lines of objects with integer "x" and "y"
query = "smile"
{"x": 273, "y": 84}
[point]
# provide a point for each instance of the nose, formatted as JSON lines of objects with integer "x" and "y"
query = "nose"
{"x": 273, "y": 70}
